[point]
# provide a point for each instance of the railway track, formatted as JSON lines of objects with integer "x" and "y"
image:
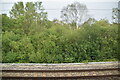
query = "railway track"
{"x": 94, "y": 71}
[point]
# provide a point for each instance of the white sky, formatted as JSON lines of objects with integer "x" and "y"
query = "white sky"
{"x": 62, "y": 0}
{"x": 98, "y": 9}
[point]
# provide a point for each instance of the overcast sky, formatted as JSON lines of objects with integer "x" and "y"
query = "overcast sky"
{"x": 98, "y": 9}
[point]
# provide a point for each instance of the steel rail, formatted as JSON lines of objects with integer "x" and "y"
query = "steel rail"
{"x": 60, "y": 70}
{"x": 56, "y": 72}
{"x": 70, "y": 77}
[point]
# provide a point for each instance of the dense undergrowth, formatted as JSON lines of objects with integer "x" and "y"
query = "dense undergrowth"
{"x": 59, "y": 43}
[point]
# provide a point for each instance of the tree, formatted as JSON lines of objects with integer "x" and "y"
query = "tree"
{"x": 28, "y": 14}
{"x": 36, "y": 9}
{"x": 74, "y": 14}
{"x": 116, "y": 15}
{"x": 17, "y": 10}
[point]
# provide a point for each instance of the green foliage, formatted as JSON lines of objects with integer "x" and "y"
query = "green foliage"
{"x": 7, "y": 23}
{"x": 26, "y": 15}
{"x": 54, "y": 42}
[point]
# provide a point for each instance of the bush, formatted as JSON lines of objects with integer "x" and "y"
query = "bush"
{"x": 60, "y": 44}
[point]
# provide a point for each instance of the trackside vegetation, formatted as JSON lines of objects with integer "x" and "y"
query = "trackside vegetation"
{"x": 29, "y": 37}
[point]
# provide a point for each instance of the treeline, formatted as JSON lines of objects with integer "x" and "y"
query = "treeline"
{"x": 28, "y": 37}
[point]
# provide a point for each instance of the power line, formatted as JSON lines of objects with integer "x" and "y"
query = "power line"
{"x": 61, "y": 9}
